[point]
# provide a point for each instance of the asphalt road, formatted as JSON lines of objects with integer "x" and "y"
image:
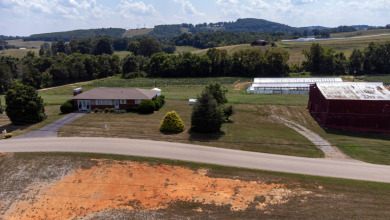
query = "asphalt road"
{"x": 202, "y": 154}
{"x": 51, "y": 129}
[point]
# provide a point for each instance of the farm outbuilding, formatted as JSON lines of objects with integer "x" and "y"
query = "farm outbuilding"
{"x": 286, "y": 85}
{"x": 357, "y": 106}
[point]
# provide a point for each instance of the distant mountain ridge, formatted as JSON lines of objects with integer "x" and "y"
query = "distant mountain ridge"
{"x": 166, "y": 32}
{"x": 80, "y": 34}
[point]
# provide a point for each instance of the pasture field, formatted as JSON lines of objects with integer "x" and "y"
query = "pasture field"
{"x": 183, "y": 49}
{"x": 136, "y": 32}
{"x": 122, "y": 54}
{"x": 18, "y": 53}
{"x": 375, "y": 78}
{"x": 26, "y": 44}
{"x": 361, "y": 33}
{"x": 344, "y": 45}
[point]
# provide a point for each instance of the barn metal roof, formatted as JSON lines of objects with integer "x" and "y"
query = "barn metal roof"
{"x": 354, "y": 91}
{"x": 296, "y": 80}
{"x": 117, "y": 93}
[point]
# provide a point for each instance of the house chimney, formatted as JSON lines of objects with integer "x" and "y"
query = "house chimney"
{"x": 77, "y": 91}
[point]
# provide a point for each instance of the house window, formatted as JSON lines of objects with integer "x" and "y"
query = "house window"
{"x": 103, "y": 102}
{"x": 137, "y": 101}
{"x": 122, "y": 101}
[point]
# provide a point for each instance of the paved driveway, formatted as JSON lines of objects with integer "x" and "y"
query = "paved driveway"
{"x": 51, "y": 129}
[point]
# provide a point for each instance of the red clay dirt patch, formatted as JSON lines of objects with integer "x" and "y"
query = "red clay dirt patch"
{"x": 134, "y": 186}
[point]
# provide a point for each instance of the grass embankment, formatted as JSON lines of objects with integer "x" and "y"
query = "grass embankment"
{"x": 230, "y": 193}
{"x": 369, "y": 147}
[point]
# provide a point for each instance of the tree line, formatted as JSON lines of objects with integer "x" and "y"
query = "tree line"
{"x": 145, "y": 46}
{"x": 374, "y": 59}
{"x": 50, "y": 70}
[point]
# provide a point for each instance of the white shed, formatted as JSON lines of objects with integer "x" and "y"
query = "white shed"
{"x": 192, "y": 101}
{"x": 159, "y": 91}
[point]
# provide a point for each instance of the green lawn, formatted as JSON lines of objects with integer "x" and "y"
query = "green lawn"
{"x": 250, "y": 130}
{"x": 250, "y": 125}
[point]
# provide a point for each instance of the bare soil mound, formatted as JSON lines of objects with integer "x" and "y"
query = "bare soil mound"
{"x": 127, "y": 185}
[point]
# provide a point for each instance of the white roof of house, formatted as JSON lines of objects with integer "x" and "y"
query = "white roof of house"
{"x": 296, "y": 80}
{"x": 354, "y": 91}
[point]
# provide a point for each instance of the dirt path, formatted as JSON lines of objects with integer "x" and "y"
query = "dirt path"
{"x": 330, "y": 151}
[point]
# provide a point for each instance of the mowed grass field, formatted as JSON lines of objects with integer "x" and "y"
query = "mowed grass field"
{"x": 344, "y": 45}
{"x": 251, "y": 128}
{"x": 18, "y": 53}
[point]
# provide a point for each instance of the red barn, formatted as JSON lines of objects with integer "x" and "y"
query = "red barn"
{"x": 357, "y": 106}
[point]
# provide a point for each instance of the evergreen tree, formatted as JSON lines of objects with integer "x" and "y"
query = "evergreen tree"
{"x": 206, "y": 116}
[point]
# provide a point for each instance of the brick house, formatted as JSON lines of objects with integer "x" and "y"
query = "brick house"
{"x": 117, "y": 98}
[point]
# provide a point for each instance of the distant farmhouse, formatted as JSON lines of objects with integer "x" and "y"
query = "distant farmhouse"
{"x": 286, "y": 85}
{"x": 117, "y": 98}
{"x": 259, "y": 43}
{"x": 358, "y": 106}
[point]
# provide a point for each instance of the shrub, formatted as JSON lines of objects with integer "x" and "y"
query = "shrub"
{"x": 157, "y": 105}
{"x": 96, "y": 110}
{"x": 101, "y": 110}
{"x": 132, "y": 109}
{"x": 161, "y": 98}
{"x": 112, "y": 110}
{"x": 146, "y": 106}
{"x": 120, "y": 111}
{"x": 8, "y": 135}
{"x": 67, "y": 107}
{"x": 172, "y": 123}
{"x": 132, "y": 75}
{"x": 227, "y": 111}
{"x": 106, "y": 110}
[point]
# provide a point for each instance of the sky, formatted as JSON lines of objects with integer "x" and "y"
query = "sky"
{"x": 26, "y": 17}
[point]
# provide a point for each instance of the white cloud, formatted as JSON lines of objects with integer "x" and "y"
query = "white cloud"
{"x": 129, "y": 8}
{"x": 188, "y": 8}
{"x": 235, "y": 2}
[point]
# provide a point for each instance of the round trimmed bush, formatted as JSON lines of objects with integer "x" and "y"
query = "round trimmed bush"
{"x": 67, "y": 107}
{"x": 172, "y": 123}
{"x": 146, "y": 106}
{"x": 157, "y": 104}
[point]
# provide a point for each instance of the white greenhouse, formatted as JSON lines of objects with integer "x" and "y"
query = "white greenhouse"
{"x": 286, "y": 85}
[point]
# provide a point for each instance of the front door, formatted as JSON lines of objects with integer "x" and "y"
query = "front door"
{"x": 116, "y": 104}
{"x": 84, "y": 105}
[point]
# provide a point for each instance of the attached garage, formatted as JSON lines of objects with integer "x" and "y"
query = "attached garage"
{"x": 357, "y": 106}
